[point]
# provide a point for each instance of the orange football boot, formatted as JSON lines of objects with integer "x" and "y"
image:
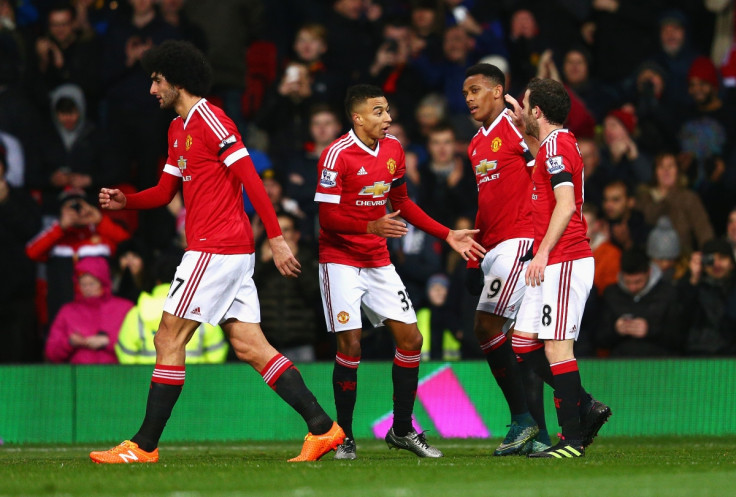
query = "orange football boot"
{"x": 316, "y": 446}
{"x": 127, "y": 452}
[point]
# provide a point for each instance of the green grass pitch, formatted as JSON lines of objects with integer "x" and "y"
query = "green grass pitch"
{"x": 613, "y": 466}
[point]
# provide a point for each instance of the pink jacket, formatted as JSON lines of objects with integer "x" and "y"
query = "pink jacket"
{"x": 88, "y": 316}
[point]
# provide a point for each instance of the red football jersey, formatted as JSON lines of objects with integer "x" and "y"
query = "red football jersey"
{"x": 359, "y": 180}
{"x": 559, "y": 163}
{"x": 201, "y": 149}
{"x": 502, "y": 164}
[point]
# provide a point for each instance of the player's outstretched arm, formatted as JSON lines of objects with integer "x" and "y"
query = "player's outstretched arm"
{"x": 387, "y": 226}
{"x": 112, "y": 199}
{"x": 283, "y": 258}
{"x": 462, "y": 242}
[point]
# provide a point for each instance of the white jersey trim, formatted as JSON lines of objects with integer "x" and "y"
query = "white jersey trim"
{"x": 362, "y": 145}
{"x": 172, "y": 170}
{"x": 566, "y": 183}
{"x": 191, "y": 111}
{"x": 239, "y": 154}
{"x": 487, "y": 131}
{"x": 327, "y": 198}
{"x": 335, "y": 150}
{"x": 209, "y": 117}
{"x": 551, "y": 141}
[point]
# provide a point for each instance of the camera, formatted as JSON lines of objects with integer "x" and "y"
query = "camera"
{"x": 391, "y": 45}
{"x": 76, "y": 205}
{"x": 709, "y": 259}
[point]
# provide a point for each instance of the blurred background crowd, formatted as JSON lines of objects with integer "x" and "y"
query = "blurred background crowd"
{"x": 653, "y": 91}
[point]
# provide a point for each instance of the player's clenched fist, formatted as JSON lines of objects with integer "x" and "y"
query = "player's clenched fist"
{"x": 112, "y": 199}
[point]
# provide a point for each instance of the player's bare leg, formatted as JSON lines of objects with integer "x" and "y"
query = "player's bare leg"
{"x": 166, "y": 384}
{"x": 490, "y": 332}
{"x": 405, "y": 376}
{"x": 283, "y": 377}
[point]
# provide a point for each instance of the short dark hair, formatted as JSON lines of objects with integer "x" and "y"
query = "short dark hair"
{"x": 493, "y": 73}
{"x": 295, "y": 221}
{"x": 552, "y": 99}
{"x": 182, "y": 64}
{"x": 61, "y": 6}
{"x": 628, "y": 189}
{"x": 319, "y": 108}
{"x": 357, "y": 94}
{"x": 634, "y": 261}
{"x": 443, "y": 126}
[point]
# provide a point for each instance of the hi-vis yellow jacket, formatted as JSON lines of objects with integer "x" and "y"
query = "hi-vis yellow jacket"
{"x": 135, "y": 342}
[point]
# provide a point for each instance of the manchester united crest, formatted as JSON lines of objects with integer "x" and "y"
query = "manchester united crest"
{"x": 496, "y": 144}
{"x": 188, "y": 143}
{"x": 343, "y": 317}
{"x": 391, "y": 165}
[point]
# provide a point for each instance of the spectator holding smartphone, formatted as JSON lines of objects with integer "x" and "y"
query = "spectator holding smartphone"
{"x": 641, "y": 312}
{"x": 709, "y": 290}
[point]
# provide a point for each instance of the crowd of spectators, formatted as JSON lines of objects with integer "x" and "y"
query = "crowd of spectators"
{"x": 653, "y": 91}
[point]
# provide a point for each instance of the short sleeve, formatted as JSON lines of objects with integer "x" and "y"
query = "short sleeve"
{"x": 329, "y": 183}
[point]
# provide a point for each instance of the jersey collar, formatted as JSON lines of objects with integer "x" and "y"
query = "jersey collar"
{"x": 552, "y": 134}
{"x": 199, "y": 103}
{"x": 502, "y": 115}
{"x": 362, "y": 145}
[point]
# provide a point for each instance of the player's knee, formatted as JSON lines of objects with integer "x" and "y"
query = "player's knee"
{"x": 244, "y": 352}
{"x": 169, "y": 338}
{"x": 163, "y": 341}
{"x": 349, "y": 344}
{"x": 351, "y": 349}
{"x": 412, "y": 342}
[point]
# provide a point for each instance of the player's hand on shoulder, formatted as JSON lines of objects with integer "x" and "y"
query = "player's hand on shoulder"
{"x": 462, "y": 242}
{"x": 112, "y": 199}
{"x": 388, "y": 226}
{"x": 283, "y": 257}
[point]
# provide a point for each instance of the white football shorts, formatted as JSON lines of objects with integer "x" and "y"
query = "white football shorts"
{"x": 503, "y": 275}
{"x": 211, "y": 288}
{"x": 379, "y": 290}
{"x": 555, "y": 308}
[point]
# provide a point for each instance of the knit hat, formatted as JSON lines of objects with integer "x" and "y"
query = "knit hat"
{"x": 496, "y": 60}
{"x": 628, "y": 119}
{"x": 702, "y": 68}
{"x": 663, "y": 241}
{"x": 440, "y": 279}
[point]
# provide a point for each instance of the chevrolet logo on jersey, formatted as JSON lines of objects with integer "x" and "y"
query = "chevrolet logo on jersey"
{"x": 379, "y": 189}
{"x": 182, "y": 163}
{"x": 485, "y": 166}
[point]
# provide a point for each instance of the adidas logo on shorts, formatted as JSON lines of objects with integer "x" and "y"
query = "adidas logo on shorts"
{"x": 196, "y": 311}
